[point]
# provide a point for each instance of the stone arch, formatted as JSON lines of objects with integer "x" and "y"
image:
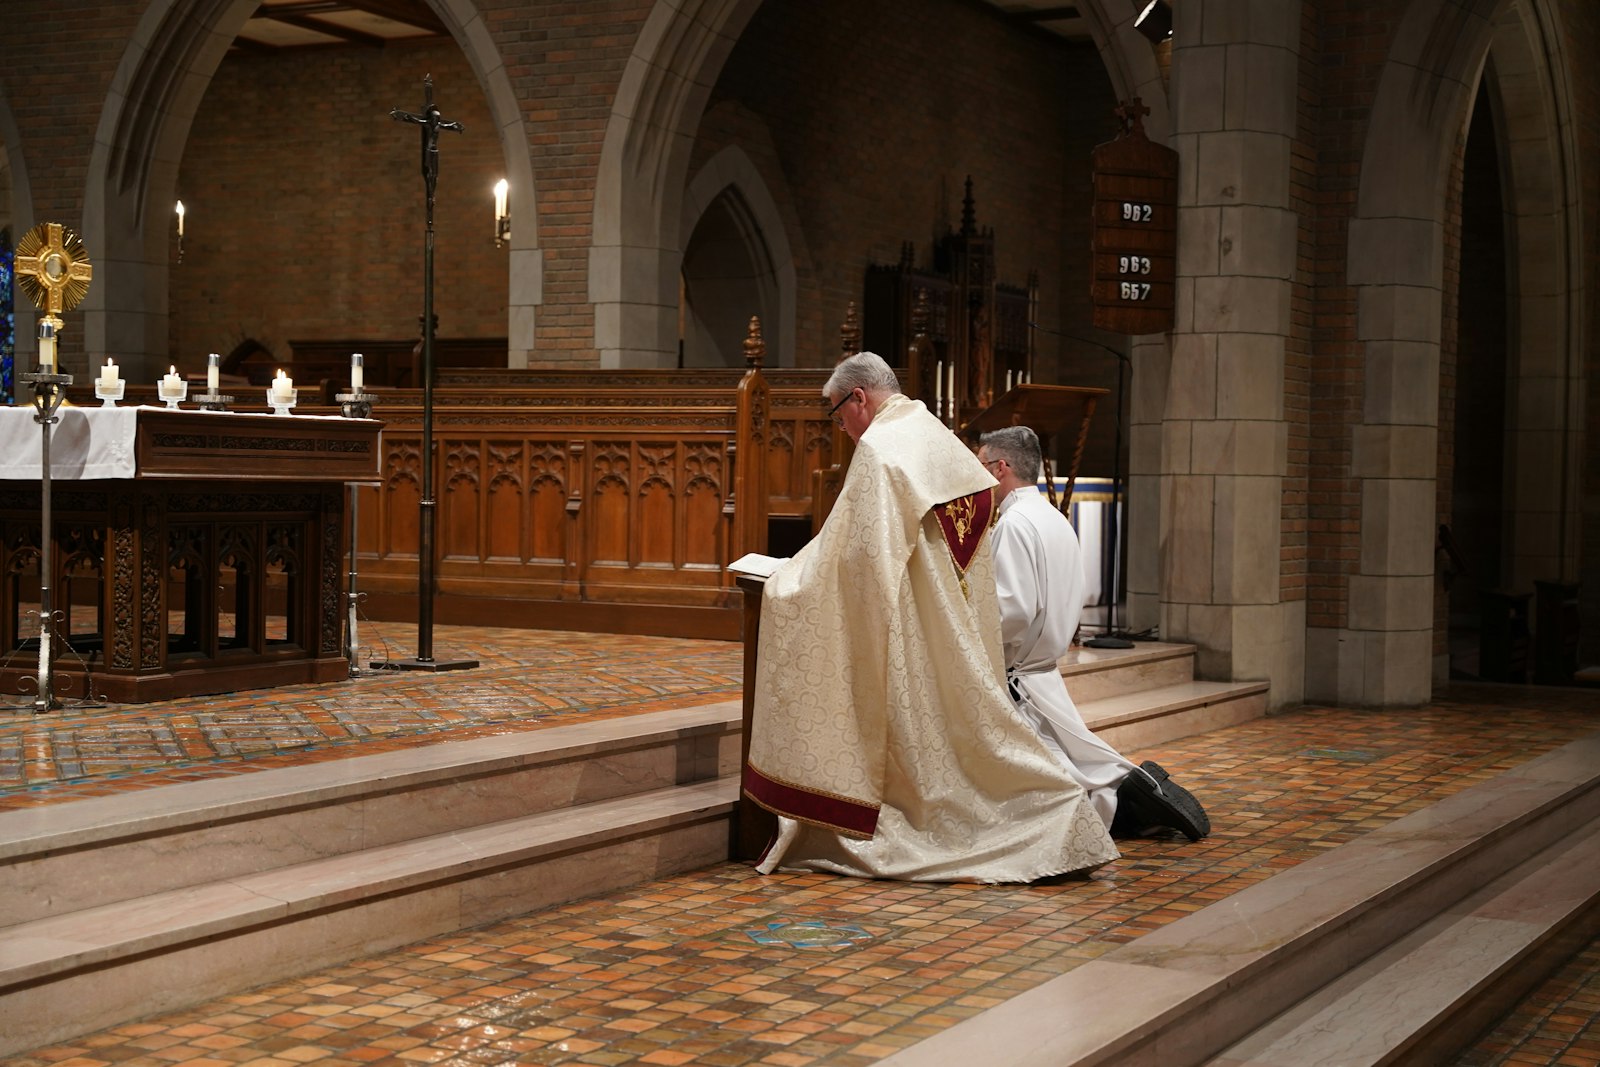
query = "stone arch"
{"x": 1528, "y": 88}
{"x": 1130, "y": 59}
{"x": 729, "y": 184}
{"x": 1384, "y": 653}
{"x": 637, "y": 250}
{"x": 131, "y": 183}
{"x": 1133, "y": 69}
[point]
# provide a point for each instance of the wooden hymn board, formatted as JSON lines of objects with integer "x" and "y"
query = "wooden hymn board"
{"x": 1135, "y": 232}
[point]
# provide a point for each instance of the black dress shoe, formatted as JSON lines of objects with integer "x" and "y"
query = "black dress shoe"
{"x": 1148, "y": 799}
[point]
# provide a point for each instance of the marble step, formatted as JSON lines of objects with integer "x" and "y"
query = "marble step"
{"x": 1423, "y": 999}
{"x": 62, "y": 858}
{"x": 1134, "y": 720}
{"x": 68, "y": 974}
{"x": 1095, "y": 673}
{"x": 1186, "y": 992}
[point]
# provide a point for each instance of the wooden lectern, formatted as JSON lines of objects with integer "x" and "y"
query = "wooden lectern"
{"x": 1050, "y": 411}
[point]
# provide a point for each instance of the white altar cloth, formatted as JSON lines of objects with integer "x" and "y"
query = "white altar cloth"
{"x": 85, "y": 443}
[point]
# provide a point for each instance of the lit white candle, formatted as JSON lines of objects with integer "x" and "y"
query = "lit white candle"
{"x": 213, "y": 370}
{"x": 356, "y": 372}
{"x": 180, "y": 218}
{"x": 502, "y": 192}
{"x": 282, "y": 388}
{"x": 171, "y": 386}
{"x": 108, "y": 373}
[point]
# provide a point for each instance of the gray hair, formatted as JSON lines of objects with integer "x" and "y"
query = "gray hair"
{"x": 1018, "y": 446}
{"x": 866, "y": 371}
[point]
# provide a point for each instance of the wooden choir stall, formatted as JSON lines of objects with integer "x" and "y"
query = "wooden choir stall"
{"x": 193, "y": 552}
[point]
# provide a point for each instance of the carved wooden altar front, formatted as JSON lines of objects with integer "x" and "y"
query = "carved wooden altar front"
{"x": 215, "y": 568}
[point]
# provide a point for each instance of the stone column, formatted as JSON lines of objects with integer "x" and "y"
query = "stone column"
{"x": 1224, "y": 440}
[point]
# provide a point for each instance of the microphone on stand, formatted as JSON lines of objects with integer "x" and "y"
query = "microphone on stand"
{"x": 1112, "y": 553}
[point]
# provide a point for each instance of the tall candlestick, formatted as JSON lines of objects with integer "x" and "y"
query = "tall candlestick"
{"x": 357, "y": 372}
{"x": 502, "y": 213}
{"x": 213, "y": 371}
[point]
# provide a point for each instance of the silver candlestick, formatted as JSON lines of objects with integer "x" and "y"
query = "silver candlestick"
{"x": 354, "y": 405}
{"x": 49, "y": 390}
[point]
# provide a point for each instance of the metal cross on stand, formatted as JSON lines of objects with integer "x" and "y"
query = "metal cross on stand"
{"x": 431, "y": 123}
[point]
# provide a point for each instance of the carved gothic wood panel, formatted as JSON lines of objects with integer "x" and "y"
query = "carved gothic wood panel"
{"x": 547, "y": 509}
{"x": 610, "y": 470}
{"x": 461, "y": 504}
{"x": 402, "y": 496}
{"x": 704, "y": 538}
{"x": 656, "y": 528}
{"x": 506, "y": 514}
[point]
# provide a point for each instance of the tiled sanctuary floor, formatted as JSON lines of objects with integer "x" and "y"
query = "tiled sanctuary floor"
{"x": 527, "y": 679}
{"x": 723, "y": 967}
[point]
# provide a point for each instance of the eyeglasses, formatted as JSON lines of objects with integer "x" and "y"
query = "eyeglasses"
{"x": 833, "y": 412}
{"x": 990, "y": 464}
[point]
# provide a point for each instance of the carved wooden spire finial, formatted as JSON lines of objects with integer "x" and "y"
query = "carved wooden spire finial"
{"x": 850, "y": 332}
{"x": 920, "y": 314}
{"x": 755, "y": 349}
{"x": 1132, "y": 113}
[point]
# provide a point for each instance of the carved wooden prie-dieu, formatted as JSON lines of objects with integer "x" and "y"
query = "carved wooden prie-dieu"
{"x": 606, "y": 501}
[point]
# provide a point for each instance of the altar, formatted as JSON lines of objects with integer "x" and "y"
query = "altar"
{"x": 193, "y": 551}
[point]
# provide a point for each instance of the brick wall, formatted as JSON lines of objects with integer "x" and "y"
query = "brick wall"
{"x": 564, "y": 62}
{"x": 1353, "y": 42}
{"x": 1581, "y": 21}
{"x": 877, "y": 113}
{"x": 56, "y": 63}
{"x": 1450, "y": 380}
{"x": 1292, "y": 562}
{"x": 305, "y": 203}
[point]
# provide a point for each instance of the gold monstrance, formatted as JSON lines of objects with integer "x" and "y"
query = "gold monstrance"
{"x": 54, "y": 270}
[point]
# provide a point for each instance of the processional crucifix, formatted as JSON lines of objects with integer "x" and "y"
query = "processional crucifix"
{"x": 431, "y": 123}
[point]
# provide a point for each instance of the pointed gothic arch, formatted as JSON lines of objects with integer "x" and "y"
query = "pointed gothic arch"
{"x": 637, "y": 250}
{"x": 728, "y": 193}
{"x": 1384, "y": 653}
{"x": 171, "y": 57}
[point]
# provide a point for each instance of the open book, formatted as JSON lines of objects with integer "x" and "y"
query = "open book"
{"x": 757, "y": 564}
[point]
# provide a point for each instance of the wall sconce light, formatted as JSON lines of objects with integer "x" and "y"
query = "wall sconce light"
{"x": 1155, "y": 21}
{"x": 180, "y": 231}
{"x": 502, "y": 214}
